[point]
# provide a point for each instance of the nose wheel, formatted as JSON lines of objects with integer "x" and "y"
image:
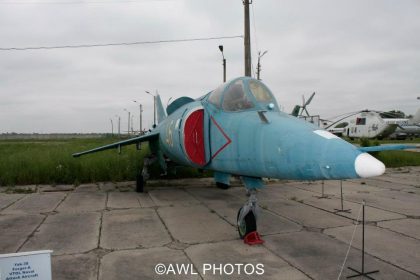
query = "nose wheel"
{"x": 247, "y": 220}
{"x": 246, "y": 225}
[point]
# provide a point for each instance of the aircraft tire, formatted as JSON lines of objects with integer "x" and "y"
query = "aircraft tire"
{"x": 140, "y": 183}
{"x": 222, "y": 186}
{"x": 249, "y": 224}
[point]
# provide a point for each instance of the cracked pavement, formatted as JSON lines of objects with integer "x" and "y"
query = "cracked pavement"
{"x": 108, "y": 231}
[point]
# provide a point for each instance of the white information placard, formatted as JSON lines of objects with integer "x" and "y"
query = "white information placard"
{"x": 26, "y": 265}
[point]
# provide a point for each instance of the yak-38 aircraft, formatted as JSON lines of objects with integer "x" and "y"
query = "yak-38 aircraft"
{"x": 238, "y": 129}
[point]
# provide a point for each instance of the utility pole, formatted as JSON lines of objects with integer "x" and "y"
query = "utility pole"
{"x": 154, "y": 107}
{"x": 128, "y": 121}
{"x": 141, "y": 119}
{"x": 224, "y": 63}
{"x": 247, "y": 38}
{"x": 140, "y": 116}
{"x": 132, "y": 121}
{"x": 259, "y": 64}
{"x": 154, "y": 110}
{"x": 128, "y": 132}
{"x": 119, "y": 126}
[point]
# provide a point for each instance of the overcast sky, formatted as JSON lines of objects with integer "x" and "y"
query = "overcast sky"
{"x": 354, "y": 54}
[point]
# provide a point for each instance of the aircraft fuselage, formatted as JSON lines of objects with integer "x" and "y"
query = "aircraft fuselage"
{"x": 259, "y": 142}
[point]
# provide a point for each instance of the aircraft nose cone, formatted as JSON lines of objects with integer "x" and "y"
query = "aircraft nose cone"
{"x": 368, "y": 166}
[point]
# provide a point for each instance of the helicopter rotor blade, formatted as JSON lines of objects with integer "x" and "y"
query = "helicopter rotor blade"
{"x": 310, "y": 99}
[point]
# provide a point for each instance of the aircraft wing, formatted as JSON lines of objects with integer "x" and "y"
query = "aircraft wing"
{"x": 135, "y": 140}
{"x": 387, "y": 148}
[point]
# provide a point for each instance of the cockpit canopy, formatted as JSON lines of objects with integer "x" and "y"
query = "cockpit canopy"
{"x": 243, "y": 94}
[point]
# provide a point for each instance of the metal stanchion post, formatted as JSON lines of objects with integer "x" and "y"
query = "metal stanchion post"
{"x": 362, "y": 273}
{"x": 322, "y": 191}
{"x": 342, "y": 201}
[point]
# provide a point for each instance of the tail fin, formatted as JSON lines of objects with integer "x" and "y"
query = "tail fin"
{"x": 161, "y": 113}
{"x": 416, "y": 118}
{"x": 295, "y": 111}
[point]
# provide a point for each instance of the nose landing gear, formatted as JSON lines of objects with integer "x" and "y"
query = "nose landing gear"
{"x": 247, "y": 220}
{"x": 247, "y": 224}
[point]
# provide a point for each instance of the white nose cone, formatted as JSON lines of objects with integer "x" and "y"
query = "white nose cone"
{"x": 368, "y": 166}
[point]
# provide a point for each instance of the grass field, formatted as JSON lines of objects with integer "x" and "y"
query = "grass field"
{"x": 50, "y": 162}
{"x": 393, "y": 158}
{"x": 399, "y": 158}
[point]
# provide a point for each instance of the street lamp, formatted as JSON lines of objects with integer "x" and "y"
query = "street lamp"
{"x": 132, "y": 121}
{"x": 140, "y": 118}
{"x": 224, "y": 63}
{"x": 112, "y": 127}
{"x": 259, "y": 64}
{"x": 154, "y": 107}
{"x": 119, "y": 125}
{"x": 128, "y": 129}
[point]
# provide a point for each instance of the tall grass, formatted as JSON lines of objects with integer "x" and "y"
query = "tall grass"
{"x": 393, "y": 158}
{"x": 399, "y": 158}
{"x": 51, "y": 161}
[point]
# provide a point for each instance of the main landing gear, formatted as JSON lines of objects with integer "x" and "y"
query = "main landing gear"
{"x": 222, "y": 186}
{"x": 222, "y": 180}
{"x": 144, "y": 175}
{"x": 140, "y": 182}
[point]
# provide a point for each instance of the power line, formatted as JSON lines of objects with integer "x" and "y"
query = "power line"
{"x": 118, "y": 44}
{"x": 75, "y": 2}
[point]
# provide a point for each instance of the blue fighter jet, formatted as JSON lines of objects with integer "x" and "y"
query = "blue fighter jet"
{"x": 238, "y": 129}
